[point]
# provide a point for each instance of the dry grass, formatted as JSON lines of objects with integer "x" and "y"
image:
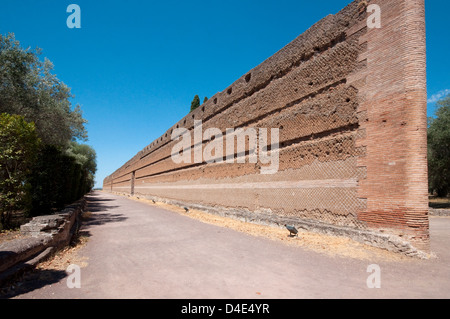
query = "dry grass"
{"x": 330, "y": 245}
{"x": 67, "y": 256}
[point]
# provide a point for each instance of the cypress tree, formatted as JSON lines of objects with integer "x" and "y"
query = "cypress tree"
{"x": 195, "y": 103}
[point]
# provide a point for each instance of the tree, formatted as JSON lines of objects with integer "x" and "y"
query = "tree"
{"x": 439, "y": 149}
{"x": 18, "y": 147}
{"x": 61, "y": 176}
{"x": 195, "y": 103}
{"x": 52, "y": 181}
{"x": 86, "y": 157}
{"x": 62, "y": 170}
{"x": 205, "y": 99}
{"x": 29, "y": 88}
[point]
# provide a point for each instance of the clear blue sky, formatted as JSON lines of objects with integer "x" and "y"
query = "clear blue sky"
{"x": 135, "y": 65}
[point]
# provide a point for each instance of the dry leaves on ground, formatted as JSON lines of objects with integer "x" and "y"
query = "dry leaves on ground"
{"x": 7, "y": 235}
{"x": 67, "y": 256}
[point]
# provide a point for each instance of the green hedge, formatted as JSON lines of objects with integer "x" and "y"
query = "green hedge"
{"x": 57, "y": 180}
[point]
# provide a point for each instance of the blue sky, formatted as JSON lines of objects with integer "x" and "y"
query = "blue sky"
{"x": 135, "y": 65}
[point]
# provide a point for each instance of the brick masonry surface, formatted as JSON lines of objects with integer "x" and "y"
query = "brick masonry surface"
{"x": 350, "y": 105}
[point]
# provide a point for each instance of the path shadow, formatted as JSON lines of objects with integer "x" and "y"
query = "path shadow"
{"x": 439, "y": 205}
{"x": 99, "y": 211}
{"x": 31, "y": 280}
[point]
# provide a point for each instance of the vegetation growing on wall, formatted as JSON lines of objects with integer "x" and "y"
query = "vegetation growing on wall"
{"x": 195, "y": 103}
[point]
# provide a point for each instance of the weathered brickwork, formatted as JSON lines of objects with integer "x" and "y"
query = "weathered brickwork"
{"x": 350, "y": 105}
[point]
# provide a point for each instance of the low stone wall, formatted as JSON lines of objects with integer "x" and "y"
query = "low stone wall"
{"x": 44, "y": 236}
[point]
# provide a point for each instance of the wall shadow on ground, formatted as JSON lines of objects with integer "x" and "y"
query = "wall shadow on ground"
{"x": 98, "y": 212}
{"x": 31, "y": 280}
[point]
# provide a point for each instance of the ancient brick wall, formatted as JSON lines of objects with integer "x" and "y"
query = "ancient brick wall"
{"x": 349, "y": 103}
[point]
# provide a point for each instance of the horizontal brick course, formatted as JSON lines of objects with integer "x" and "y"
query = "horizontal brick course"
{"x": 350, "y": 106}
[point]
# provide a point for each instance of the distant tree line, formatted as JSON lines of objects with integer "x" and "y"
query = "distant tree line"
{"x": 439, "y": 149}
{"x": 42, "y": 166}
